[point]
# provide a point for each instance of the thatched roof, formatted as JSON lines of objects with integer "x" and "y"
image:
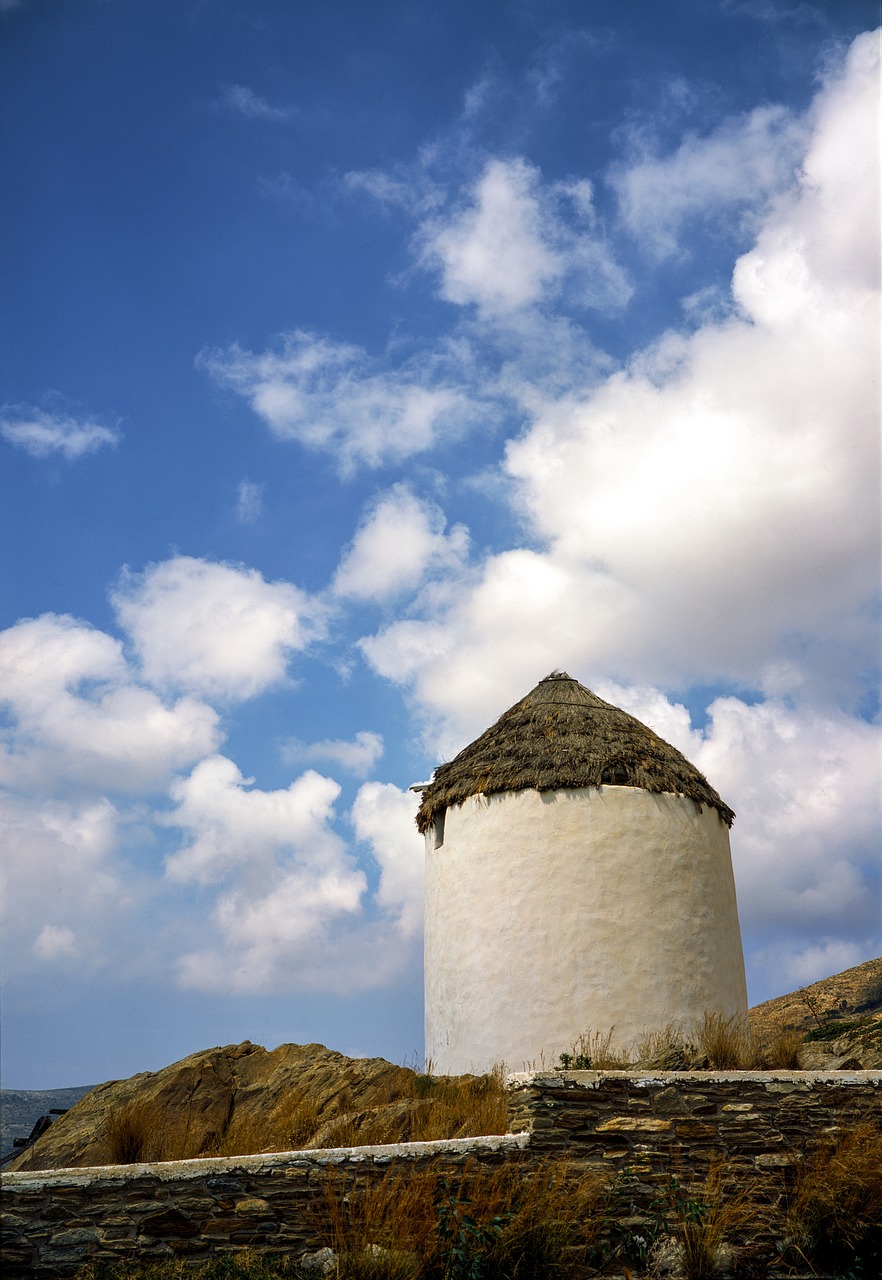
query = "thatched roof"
{"x": 561, "y": 736}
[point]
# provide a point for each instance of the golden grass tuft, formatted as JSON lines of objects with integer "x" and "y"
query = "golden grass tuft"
{"x": 137, "y": 1132}
{"x": 834, "y": 1217}
{"x": 725, "y": 1042}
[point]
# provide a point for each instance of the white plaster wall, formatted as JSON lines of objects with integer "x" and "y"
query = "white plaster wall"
{"x": 549, "y": 914}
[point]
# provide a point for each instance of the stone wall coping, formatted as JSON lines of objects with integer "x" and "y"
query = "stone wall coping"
{"x": 646, "y": 1079}
{"x": 185, "y": 1170}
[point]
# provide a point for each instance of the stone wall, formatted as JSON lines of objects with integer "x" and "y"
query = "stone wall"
{"x": 55, "y": 1220}
{"x": 649, "y": 1127}
{"x": 644, "y": 1127}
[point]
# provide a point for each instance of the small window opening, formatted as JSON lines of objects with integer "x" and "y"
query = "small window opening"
{"x": 439, "y": 829}
{"x": 616, "y": 774}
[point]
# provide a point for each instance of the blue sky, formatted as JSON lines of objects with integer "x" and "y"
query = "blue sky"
{"x": 360, "y": 366}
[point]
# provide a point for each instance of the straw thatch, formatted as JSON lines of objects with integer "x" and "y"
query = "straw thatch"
{"x": 563, "y": 736}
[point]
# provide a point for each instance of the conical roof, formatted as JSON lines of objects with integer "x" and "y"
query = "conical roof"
{"x": 561, "y": 736}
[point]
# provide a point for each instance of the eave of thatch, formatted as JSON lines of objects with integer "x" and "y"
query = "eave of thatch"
{"x": 563, "y": 736}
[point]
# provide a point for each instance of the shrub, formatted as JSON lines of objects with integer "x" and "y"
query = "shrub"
{"x": 834, "y": 1218}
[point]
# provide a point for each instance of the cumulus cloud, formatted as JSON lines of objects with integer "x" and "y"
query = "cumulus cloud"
{"x": 357, "y": 756}
{"x": 288, "y": 879}
{"x": 741, "y": 164}
{"x": 383, "y": 816}
{"x": 333, "y": 397}
{"x": 509, "y": 246}
{"x": 712, "y": 511}
{"x": 217, "y": 629}
{"x": 400, "y": 539}
{"x": 41, "y": 433}
{"x": 60, "y": 882}
{"x": 79, "y": 715}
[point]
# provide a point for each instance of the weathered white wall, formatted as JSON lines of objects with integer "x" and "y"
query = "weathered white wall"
{"x": 551, "y": 914}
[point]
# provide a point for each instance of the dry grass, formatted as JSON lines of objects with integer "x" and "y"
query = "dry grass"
{"x": 703, "y": 1216}
{"x": 668, "y": 1042}
{"x": 834, "y": 1218}
{"x": 246, "y": 1265}
{"x": 430, "y": 1109}
{"x": 594, "y": 1051}
{"x": 725, "y": 1042}
{"x": 381, "y": 1230}
{"x": 287, "y": 1127}
{"x": 503, "y": 1223}
{"x": 780, "y": 1052}
{"x": 138, "y": 1132}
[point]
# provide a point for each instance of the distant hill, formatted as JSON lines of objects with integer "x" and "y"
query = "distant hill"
{"x": 20, "y": 1109}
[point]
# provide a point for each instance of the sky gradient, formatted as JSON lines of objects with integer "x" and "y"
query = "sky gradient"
{"x": 360, "y": 366}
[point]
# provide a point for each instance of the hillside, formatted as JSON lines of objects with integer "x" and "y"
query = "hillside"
{"x": 242, "y": 1098}
{"x": 840, "y": 1018}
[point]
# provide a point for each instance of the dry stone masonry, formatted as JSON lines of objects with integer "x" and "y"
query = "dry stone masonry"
{"x": 641, "y": 1126}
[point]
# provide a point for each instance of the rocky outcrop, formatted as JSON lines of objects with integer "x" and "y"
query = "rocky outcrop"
{"x": 225, "y": 1100}
{"x": 839, "y": 1017}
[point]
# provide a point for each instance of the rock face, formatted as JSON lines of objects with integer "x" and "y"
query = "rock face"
{"x": 228, "y": 1100}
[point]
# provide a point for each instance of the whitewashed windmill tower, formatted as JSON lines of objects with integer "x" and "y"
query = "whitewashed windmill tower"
{"x": 578, "y": 876}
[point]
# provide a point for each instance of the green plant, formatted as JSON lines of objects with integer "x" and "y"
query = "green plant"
{"x": 593, "y": 1051}
{"x": 465, "y": 1241}
{"x": 834, "y": 1218}
{"x": 835, "y": 1028}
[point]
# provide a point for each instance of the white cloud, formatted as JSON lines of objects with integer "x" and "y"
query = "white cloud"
{"x": 742, "y": 164}
{"x": 413, "y": 192}
{"x": 233, "y": 825}
{"x": 333, "y": 397}
{"x": 217, "y": 629}
{"x": 516, "y": 243}
{"x": 244, "y": 100}
{"x": 80, "y": 716}
{"x": 289, "y": 883}
{"x": 60, "y": 884}
{"x": 399, "y": 541}
{"x": 384, "y": 817}
{"x": 249, "y": 502}
{"x": 806, "y": 787}
{"x": 54, "y": 942}
{"x": 358, "y": 755}
{"x": 40, "y": 433}
{"x": 713, "y": 510}
{"x": 786, "y": 969}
